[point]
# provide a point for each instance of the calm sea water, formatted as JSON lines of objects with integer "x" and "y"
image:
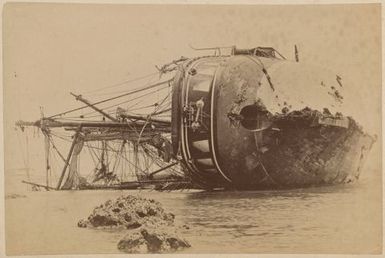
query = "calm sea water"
{"x": 339, "y": 219}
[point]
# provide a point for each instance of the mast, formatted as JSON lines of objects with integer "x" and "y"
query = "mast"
{"x": 137, "y": 130}
{"x": 116, "y": 97}
{"x": 135, "y": 144}
{"x": 47, "y": 163}
{"x": 68, "y": 157}
{"x": 46, "y": 149}
{"x": 148, "y": 119}
{"x": 80, "y": 98}
{"x": 107, "y": 170}
{"x": 151, "y": 175}
{"x": 46, "y": 122}
{"x": 27, "y": 158}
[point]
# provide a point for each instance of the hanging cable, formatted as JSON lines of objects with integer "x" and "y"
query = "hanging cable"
{"x": 126, "y": 101}
{"x": 116, "y": 97}
{"x": 123, "y": 82}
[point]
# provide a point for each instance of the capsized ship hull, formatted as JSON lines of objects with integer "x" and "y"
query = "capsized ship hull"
{"x": 255, "y": 121}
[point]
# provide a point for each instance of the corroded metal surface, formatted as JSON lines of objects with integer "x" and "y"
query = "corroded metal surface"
{"x": 236, "y": 86}
{"x": 313, "y": 155}
{"x": 252, "y": 122}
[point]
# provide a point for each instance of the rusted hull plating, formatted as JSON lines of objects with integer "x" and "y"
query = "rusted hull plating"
{"x": 228, "y": 134}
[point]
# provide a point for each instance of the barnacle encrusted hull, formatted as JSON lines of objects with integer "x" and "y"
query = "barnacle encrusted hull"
{"x": 252, "y": 122}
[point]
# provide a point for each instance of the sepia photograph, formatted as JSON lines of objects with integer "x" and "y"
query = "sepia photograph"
{"x": 192, "y": 128}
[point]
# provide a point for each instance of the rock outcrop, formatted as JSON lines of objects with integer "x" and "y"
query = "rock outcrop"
{"x": 151, "y": 229}
{"x": 128, "y": 212}
{"x": 151, "y": 240}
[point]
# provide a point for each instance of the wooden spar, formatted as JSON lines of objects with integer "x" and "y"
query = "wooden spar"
{"x": 69, "y": 157}
{"x": 45, "y": 186}
{"x": 117, "y": 136}
{"x": 102, "y": 159}
{"x": 107, "y": 163}
{"x": 135, "y": 145}
{"x": 47, "y": 165}
{"x": 80, "y": 98}
{"x": 161, "y": 169}
{"x": 122, "y": 131}
{"x": 46, "y": 148}
{"x": 54, "y": 123}
{"x": 27, "y": 158}
{"x": 57, "y": 151}
{"x": 119, "y": 96}
{"x": 148, "y": 119}
{"x": 120, "y": 153}
{"x": 153, "y": 181}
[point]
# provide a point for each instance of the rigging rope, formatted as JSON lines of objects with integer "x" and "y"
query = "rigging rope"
{"x": 118, "y": 92}
{"x": 123, "y": 82}
{"x": 126, "y": 101}
{"x": 149, "y": 116}
{"x": 112, "y": 98}
{"x": 126, "y": 159}
{"x": 55, "y": 148}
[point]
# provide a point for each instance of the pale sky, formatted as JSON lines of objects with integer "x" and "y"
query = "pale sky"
{"x": 52, "y": 49}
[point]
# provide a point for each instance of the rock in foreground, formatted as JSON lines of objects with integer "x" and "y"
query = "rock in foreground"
{"x": 151, "y": 229}
{"x": 151, "y": 241}
{"x": 129, "y": 212}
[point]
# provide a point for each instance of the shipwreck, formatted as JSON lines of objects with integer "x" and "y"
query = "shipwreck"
{"x": 250, "y": 119}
